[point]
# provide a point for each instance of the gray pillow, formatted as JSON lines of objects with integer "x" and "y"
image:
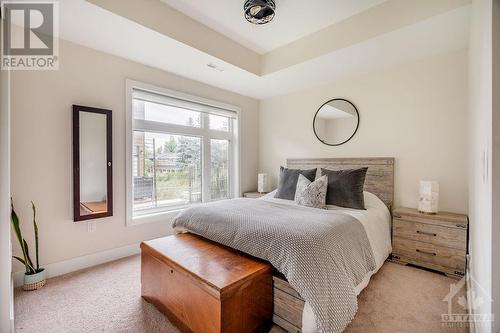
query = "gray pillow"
{"x": 345, "y": 187}
{"x": 288, "y": 181}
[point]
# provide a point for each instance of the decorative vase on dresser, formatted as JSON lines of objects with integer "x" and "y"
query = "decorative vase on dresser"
{"x": 437, "y": 242}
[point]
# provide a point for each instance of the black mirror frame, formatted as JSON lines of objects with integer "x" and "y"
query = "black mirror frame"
{"x": 355, "y": 130}
{"x": 76, "y": 163}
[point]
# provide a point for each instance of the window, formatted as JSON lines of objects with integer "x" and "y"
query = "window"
{"x": 219, "y": 169}
{"x": 182, "y": 151}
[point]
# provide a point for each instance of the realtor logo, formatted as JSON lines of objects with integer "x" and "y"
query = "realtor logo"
{"x": 30, "y": 35}
{"x": 470, "y": 301}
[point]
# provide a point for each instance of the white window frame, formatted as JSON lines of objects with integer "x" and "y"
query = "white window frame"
{"x": 233, "y": 135}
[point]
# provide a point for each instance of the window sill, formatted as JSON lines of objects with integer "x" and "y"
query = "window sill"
{"x": 165, "y": 217}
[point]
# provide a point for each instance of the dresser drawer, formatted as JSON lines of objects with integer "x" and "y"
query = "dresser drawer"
{"x": 420, "y": 252}
{"x": 438, "y": 235}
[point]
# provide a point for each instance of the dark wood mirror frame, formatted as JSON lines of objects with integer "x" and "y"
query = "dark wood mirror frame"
{"x": 76, "y": 163}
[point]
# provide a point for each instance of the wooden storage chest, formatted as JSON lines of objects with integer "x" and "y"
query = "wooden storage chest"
{"x": 205, "y": 287}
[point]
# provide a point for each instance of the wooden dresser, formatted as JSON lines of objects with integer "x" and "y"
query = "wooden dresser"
{"x": 438, "y": 241}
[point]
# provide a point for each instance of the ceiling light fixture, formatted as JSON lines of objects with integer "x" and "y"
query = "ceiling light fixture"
{"x": 259, "y": 11}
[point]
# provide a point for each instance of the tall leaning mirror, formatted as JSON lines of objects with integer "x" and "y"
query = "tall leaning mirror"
{"x": 92, "y": 163}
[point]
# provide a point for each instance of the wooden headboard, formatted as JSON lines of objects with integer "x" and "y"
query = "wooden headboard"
{"x": 379, "y": 177}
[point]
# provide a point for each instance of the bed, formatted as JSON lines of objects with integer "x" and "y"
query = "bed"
{"x": 329, "y": 305}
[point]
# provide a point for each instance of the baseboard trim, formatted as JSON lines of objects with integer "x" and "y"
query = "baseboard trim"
{"x": 75, "y": 264}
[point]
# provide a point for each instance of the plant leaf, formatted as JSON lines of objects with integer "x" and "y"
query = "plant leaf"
{"x": 28, "y": 259}
{"x": 24, "y": 263}
{"x": 21, "y": 260}
{"x": 15, "y": 224}
{"x": 35, "y": 228}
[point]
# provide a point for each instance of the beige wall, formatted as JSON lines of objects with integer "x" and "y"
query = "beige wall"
{"x": 41, "y": 146}
{"x": 415, "y": 113}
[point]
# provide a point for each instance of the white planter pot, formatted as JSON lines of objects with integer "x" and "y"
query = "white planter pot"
{"x": 34, "y": 281}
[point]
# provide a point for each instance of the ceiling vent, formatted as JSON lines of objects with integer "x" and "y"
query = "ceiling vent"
{"x": 215, "y": 67}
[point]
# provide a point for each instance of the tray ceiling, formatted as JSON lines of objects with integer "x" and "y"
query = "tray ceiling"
{"x": 148, "y": 40}
{"x": 294, "y": 19}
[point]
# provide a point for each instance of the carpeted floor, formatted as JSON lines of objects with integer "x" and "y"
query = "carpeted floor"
{"x": 106, "y": 298}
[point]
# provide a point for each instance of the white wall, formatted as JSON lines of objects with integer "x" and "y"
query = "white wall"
{"x": 5, "y": 244}
{"x": 480, "y": 151}
{"x": 42, "y": 148}
{"x": 495, "y": 232}
{"x": 416, "y": 113}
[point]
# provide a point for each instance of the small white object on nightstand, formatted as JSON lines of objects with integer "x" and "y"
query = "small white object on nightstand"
{"x": 263, "y": 183}
{"x": 429, "y": 197}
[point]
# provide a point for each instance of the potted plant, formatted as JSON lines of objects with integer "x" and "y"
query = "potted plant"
{"x": 34, "y": 276}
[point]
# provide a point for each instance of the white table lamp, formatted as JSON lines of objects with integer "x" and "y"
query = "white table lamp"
{"x": 263, "y": 183}
{"x": 429, "y": 197}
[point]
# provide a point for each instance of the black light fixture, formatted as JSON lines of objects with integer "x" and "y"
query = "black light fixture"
{"x": 259, "y": 11}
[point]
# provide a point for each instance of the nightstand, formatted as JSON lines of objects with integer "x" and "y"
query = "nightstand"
{"x": 253, "y": 195}
{"x": 438, "y": 241}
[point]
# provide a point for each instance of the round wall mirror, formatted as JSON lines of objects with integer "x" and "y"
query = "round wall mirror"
{"x": 336, "y": 122}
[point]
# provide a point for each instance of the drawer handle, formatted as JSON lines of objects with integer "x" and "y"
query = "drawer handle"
{"x": 426, "y": 233}
{"x": 425, "y": 252}
{"x": 171, "y": 271}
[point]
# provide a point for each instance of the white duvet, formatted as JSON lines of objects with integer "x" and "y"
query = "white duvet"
{"x": 376, "y": 220}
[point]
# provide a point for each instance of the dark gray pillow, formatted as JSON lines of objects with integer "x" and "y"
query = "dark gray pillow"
{"x": 288, "y": 181}
{"x": 345, "y": 187}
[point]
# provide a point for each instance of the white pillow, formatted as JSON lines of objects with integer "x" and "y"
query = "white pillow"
{"x": 311, "y": 194}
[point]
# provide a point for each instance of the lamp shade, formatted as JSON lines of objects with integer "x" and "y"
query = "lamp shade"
{"x": 263, "y": 183}
{"x": 429, "y": 197}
